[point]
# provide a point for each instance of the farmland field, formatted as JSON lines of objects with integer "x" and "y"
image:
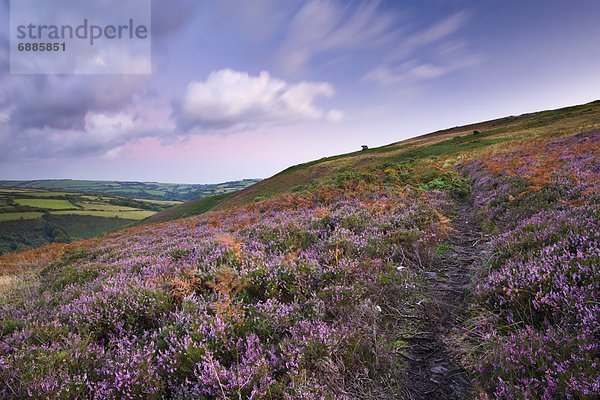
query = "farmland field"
{"x": 35, "y": 193}
{"x": 40, "y": 212}
{"x": 103, "y": 207}
{"x": 33, "y": 217}
{"x": 49, "y": 204}
{"x": 22, "y": 215}
{"x": 136, "y": 215}
{"x": 161, "y": 202}
{"x": 138, "y": 190}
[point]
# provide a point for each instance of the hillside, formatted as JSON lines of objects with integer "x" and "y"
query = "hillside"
{"x": 188, "y": 209}
{"x": 459, "y": 264}
{"x": 445, "y": 144}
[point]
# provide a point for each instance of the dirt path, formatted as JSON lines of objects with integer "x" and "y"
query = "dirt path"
{"x": 433, "y": 371}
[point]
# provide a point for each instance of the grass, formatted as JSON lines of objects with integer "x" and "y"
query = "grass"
{"x": 161, "y": 202}
{"x": 137, "y": 215}
{"x": 48, "y": 204}
{"x": 34, "y": 193}
{"x": 14, "y": 190}
{"x": 31, "y": 217}
{"x": 137, "y": 190}
{"x": 104, "y": 207}
{"x": 189, "y": 208}
{"x": 19, "y": 215}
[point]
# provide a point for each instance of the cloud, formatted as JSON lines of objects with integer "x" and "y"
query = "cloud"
{"x": 105, "y": 134}
{"x": 63, "y": 101}
{"x": 415, "y": 71}
{"x": 438, "y": 31}
{"x": 48, "y": 116}
{"x": 321, "y": 26}
{"x": 426, "y": 54}
{"x": 230, "y": 98}
{"x": 44, "y": 117}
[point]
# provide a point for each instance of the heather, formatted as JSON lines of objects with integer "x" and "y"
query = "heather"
{"x": 338, "y": 289}
{"x": 294, "y": 298}
{"x": 538, "y": 296}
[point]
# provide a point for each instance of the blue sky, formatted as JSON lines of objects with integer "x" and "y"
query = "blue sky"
{"x": 244, "y": 89}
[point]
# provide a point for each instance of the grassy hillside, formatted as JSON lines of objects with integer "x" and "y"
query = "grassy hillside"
{"x": 142, "y": 190}
{"x": 188, "y": 209}
{"x": 442, "y": 146}
{"x": 50, "y": 228}
{"x": 455, "y": 265}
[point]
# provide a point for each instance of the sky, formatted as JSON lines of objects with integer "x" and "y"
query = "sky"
{"x": 244, "y": 89}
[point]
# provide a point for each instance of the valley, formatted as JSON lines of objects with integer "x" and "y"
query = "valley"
{"x": 143, "y": 190}
{"x": 33, "y": 213}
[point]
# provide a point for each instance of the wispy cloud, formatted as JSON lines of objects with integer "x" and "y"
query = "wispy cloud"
{"x": 438, "y": 31}
{"x": 325, "y": 25}
{"x": 445, "y": 59}
{"x": 426, "y": 54}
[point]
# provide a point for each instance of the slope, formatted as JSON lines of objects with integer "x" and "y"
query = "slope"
{"x": 370, "y": 281}
{"x": 445, "y": 144}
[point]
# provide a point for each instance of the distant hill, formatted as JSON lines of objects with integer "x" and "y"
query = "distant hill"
{"x": 140, "y": 190}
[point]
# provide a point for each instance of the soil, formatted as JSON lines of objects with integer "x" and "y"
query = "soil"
{"x": 434, "y": 371}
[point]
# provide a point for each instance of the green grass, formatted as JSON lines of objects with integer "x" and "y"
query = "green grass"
{"x": 137, "y": 215}
{"x": 19, "y": 215}
{"x": 445, "y": 148}
{"x": 138, "y": 190}
{"x": 48, "y": 204}
{"x": 49, "y": 228}
{"x": 160, "y": 202}
{"x": 34, "y": 193}
{"x": 442, "y": 248}
{"x": 189, "y": 208}
{"x": 104, "y": 207}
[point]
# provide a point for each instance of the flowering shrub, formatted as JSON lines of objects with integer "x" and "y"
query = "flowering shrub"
{"x": 303, "y": 296}
{"x": 290, "y": 302}
{"x": 541, "y": 293}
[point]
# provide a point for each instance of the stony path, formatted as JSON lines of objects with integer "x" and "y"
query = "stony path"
{"x": 433, "y": 371}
